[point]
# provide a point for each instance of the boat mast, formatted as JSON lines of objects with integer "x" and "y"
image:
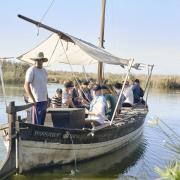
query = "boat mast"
{"x": 101, "y": 43}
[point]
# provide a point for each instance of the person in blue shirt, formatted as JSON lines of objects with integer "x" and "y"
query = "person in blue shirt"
{"x": 137, "y": 91}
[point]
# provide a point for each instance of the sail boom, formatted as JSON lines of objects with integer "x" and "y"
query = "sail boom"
{"x": 41, "y": 25}
{"x": 61, "y": 47}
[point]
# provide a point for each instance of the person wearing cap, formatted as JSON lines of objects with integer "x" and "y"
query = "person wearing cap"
{"x": 137, "y": 91}
{"x": 85, "y": 92}
{"x": 96, "y": 113}
{"x": 56, "y": 100}
{"x": 91, "y": 86}
{"x": 76, "y": 98}
{"x": 118, "y": 88}
{"x": 110, "y": 101}
{"x": 67, "y": 95}
{"x": 36, "y": 88}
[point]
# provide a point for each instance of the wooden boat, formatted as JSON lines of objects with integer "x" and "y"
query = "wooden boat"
{"x": 64, "y": 138}
{"x": 32, "y": 146}
{"x": 111, "y": 165}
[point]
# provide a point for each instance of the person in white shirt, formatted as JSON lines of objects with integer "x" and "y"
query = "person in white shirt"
{"x": 128, "y": 93}
{"x": 96, "y": 113}
{"x": 36, "y": 88}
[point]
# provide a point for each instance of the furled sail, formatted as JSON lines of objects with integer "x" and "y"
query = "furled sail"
{"x": 64, "y": 48}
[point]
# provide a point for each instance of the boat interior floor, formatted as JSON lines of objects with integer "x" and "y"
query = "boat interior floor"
{"x": 74, "y": 118}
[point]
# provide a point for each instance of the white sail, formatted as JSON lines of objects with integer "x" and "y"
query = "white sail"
{"x": 71, "y": 51}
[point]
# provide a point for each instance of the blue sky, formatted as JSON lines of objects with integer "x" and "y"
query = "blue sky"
{"x": 147, "y": 30}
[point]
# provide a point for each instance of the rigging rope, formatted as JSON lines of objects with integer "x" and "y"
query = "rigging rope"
{"x": 2, "y": 79}
{"x": 43, "y": 16}
{"x": 72, "y": 68}
{"x": 2, "y": 82}
{"x": 68, "y": 61}
{"x": 84, "y": 71}
{"x": 74, "y": 74}
{"x": 45, "y": 13}
{"x": 145, "y": 86}
{"x": 53, "y": 51}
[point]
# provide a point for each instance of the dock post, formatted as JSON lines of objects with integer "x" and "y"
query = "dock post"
{"x": 18, "y": 169}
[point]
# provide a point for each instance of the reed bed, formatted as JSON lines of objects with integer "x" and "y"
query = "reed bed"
{"x": 172, "y": 144}
{"x": 14, "y": 73}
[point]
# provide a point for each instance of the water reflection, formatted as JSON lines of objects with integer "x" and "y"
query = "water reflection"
{"x": 109, "y": 166}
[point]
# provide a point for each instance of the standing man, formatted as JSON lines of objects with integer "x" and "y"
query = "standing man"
{"x": 36, "y": 88}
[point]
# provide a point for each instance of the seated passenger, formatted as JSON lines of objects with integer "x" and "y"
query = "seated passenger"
{"x": 110, "y": 102}
{"x": 128, "y": 93}
{"x": 85, "y": 92}
{"x": 56, "y": 100}
{"x": 77, "y": 100}
{"x": 137, "y": 91}
{"x": 67, "y": 95}
{"x": 91, "y": 86}
{"x": 96, "y": 113}
{"x": 118, "y": 88}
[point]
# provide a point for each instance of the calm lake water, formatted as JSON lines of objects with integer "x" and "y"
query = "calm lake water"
{"x": 136, "y": 161}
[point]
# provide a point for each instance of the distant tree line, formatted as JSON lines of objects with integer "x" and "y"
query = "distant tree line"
{"x": 14, "y": 73}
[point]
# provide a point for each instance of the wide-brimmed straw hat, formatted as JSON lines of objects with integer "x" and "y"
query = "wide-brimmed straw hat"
{"x": 40, "y": 56}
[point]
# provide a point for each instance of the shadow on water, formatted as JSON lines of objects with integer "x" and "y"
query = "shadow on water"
{"x": 109, "y": 166}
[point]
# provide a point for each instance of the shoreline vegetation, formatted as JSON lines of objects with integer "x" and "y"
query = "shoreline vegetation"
{"x": 171, "y": 143}
{"x": 14, "y": 73}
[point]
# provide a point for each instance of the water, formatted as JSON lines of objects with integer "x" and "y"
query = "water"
{"x": 136, "y": 161}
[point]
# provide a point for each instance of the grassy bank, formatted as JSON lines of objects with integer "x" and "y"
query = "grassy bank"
{"x": 14, "y": 73}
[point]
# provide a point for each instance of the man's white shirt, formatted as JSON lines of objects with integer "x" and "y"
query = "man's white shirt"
{"x": 98, "y": 106}
{"x": 38, "y": 79}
